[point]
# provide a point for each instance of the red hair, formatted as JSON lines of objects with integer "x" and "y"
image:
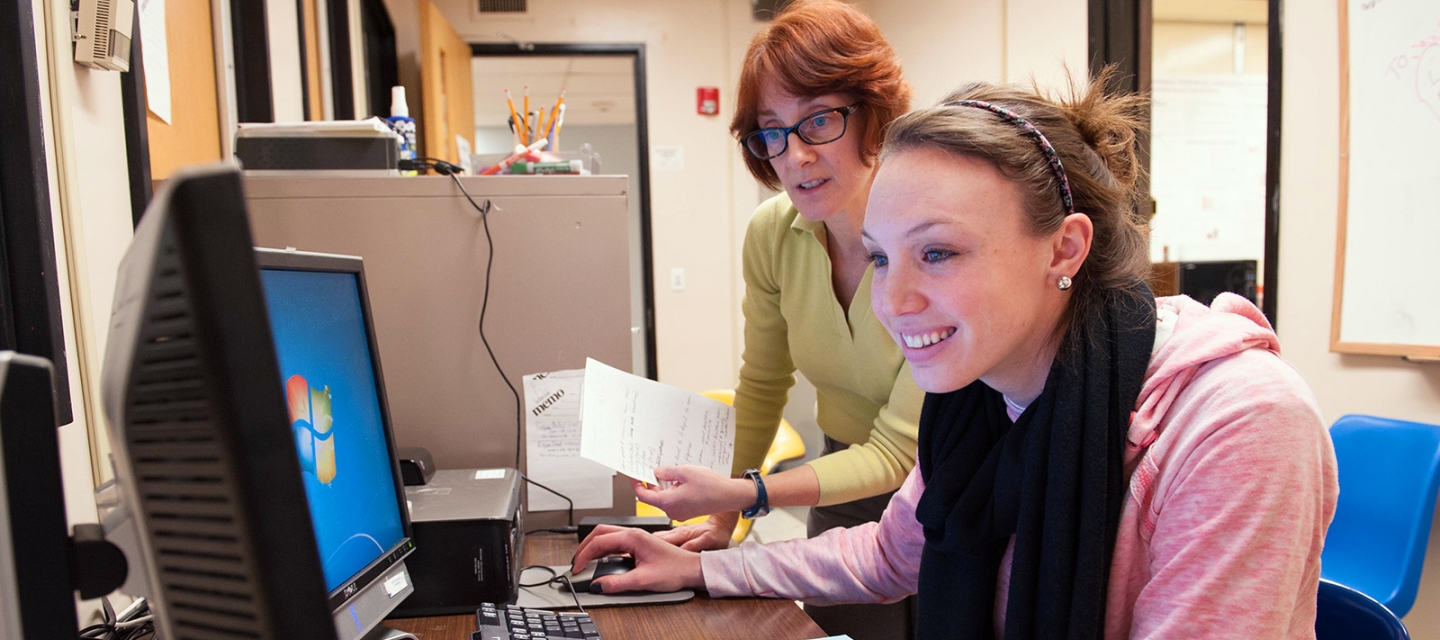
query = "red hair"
{"x": 819, "y": 47}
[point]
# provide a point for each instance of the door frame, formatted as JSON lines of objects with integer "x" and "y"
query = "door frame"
{"x": 1120, "y": 33}
{"x": 642, "y": 130}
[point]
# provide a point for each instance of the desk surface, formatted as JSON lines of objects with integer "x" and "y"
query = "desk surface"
{"x": 701, "y": 619}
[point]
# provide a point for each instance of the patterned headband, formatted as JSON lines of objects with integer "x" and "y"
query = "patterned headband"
{"x": 1045, "y": 148}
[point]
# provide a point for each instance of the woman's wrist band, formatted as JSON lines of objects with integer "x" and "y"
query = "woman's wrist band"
{"x": 762, "y": 500}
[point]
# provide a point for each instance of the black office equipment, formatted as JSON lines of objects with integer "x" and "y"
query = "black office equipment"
{"x": 32, "y": 526}
{"x": 469, "y": 537}
{"x": 204, "y": 454}
{"x": 509, "y": 622}
{"x": 416, "y": 466}
{"x": 1205, "y": 280}
{"x": 643, "y": 523}
{"x": 366, "y": 144}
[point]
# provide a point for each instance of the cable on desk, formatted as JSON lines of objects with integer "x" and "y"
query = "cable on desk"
{"x": 132, "y": 623}
{"x": 555, "y": 578}
{"x": 569, "y": 509}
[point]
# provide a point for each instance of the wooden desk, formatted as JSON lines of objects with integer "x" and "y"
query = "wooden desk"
{"x": 703, "y": 618}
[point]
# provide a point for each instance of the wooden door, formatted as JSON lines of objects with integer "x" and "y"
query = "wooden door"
{"x": 449, "y": 105}
{"x": 193, "y": 133}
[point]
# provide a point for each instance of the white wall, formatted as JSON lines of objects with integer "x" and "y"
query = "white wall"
{"x": 283, "y": 36}
{"x": 1309, "y": 205}
{"x": 90, "y": 198}
{"x": 944, "y": 44}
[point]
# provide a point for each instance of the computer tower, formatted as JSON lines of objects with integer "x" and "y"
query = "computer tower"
{"x": 469, "y": 536}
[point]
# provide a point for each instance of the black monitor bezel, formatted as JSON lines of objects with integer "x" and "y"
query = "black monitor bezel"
{"x": 32, "y": 503}
{"x": 291, "y": 260}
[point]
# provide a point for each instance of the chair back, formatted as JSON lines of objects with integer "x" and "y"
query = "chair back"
{"x": 1342, "y": 613}
{"x": 1388, "y": 482}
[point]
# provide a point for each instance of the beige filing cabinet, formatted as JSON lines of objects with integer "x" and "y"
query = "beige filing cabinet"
{"x": 560, "y": 291}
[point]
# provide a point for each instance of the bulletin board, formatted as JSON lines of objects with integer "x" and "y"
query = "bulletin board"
{"x": 193, "y": 132}
{"x": 1386, "y": 300}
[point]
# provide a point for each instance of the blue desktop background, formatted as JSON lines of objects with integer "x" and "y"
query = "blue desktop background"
{"x": 320, "y": 335}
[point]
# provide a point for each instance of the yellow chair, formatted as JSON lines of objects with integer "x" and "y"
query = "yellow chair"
{"x": 787, "y": 446}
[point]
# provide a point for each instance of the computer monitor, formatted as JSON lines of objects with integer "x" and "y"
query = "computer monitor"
{"x": 203, "y": 448}
{"x": 37, "y": 597}
{"x": 335, "y": 393}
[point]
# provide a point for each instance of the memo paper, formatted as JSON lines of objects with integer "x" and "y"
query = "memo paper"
{"x": 552, "y": 445}
{"x": 632, "y": 425}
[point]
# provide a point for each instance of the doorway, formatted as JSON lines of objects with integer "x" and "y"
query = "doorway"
{"x": 1212, "y": 69}
{"x": 604, "y": 108}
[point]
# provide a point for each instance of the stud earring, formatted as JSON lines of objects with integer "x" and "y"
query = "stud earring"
{"x": 1064, "y": 283}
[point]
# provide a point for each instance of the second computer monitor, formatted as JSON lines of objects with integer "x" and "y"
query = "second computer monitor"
{"x": 335, "y": 395}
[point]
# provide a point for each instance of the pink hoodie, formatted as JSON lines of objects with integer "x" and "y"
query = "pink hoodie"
{"x": 1232, "y": 486}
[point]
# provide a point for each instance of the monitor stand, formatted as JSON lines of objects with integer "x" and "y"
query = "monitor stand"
{"x": 382, "y": 632}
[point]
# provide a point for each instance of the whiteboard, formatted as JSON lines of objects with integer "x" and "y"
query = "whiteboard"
{"x": 1387, "y": 300}
{"x": 1207, "y": 167}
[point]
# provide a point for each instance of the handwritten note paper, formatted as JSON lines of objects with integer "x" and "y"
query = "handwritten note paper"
{"x": 552, "y": 445}
{"x": 632, "y": 425}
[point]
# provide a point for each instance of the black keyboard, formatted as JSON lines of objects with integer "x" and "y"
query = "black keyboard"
{"x": 509, "y": 622}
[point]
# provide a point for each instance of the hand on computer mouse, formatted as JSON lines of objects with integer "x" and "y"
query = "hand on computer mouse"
{"x": 611, "y": 566}
{"x": 658, "y": 565}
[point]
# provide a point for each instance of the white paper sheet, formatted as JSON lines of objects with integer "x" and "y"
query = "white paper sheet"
{"x": 552, "y": 445}
{"x": 462, "y": 149}
{"x": 633, "y": 424}
{"x": 155, "y": 50}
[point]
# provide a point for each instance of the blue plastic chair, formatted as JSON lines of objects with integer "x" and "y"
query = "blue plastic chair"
{"x": 1342, "y": 613}
{"x": 1388, "y": 482}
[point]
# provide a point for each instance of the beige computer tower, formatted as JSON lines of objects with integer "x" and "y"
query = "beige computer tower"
{"x": 561, "y": 290}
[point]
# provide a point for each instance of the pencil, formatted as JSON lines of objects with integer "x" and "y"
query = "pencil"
{"x": 539, "y": 124}
{"x": 559, "y": 124}
{"x": 555, "y": 112}
{"x": 527, "y": 114}
{"x": 514, "y": 118}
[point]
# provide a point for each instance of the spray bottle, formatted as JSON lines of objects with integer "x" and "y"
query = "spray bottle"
{"x": 401, "y": 122}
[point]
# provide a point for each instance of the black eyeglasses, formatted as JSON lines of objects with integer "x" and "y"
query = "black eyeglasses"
{"x": 821, "y": 127}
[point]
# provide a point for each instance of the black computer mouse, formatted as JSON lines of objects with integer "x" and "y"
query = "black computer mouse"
{"x": 613, "y": 565}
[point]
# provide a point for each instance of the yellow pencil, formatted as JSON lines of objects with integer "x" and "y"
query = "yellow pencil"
{"x": 515, "y": 123}
{"x": 554, "y": 113}
{"x": 559, "y": 124}
{"x": 539, "y": 124}
{"x": 527, "y": 115}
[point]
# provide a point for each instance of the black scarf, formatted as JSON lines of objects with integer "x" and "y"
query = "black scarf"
{"x": 1054, "y": 479}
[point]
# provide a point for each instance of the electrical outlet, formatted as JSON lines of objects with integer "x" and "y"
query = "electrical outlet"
{"x": 677, "y": 279}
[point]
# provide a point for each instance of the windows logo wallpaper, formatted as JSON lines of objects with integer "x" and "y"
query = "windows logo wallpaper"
{"x": 335, "y": 418}
{"x": 313, "y": 422}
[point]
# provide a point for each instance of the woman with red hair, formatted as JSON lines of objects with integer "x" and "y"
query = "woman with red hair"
{"x": 818, "y": 87}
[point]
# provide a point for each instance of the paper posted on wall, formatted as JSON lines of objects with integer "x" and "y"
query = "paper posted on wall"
{"x": 632, "y": 425}
{"x": 552, "y": 445}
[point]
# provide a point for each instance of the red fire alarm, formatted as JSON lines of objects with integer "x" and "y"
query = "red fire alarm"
{"x": 707, "y": 101}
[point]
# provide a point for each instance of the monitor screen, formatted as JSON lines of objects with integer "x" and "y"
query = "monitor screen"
{"x": 334, "y": 405}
